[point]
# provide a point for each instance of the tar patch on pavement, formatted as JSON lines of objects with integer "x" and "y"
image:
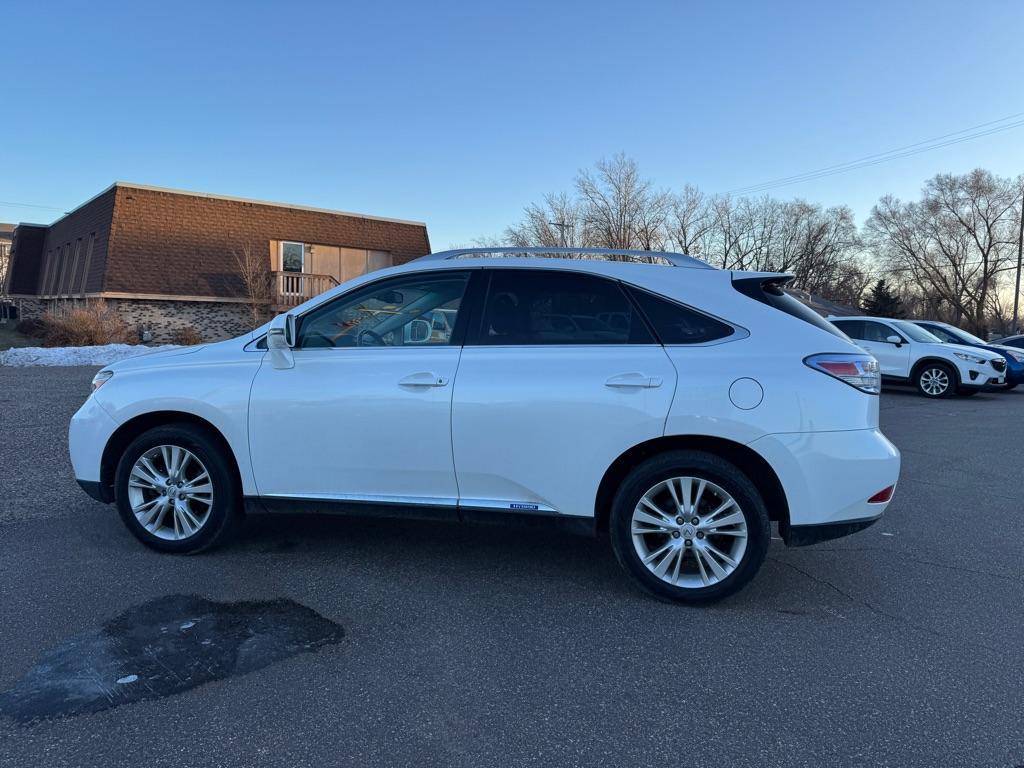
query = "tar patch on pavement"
{"x": 162, "y": 647}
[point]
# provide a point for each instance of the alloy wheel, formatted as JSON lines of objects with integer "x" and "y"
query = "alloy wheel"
{"x": 689, "y": 532}
{"x": 170, "y": 492}
{"x": 934, "y": 381}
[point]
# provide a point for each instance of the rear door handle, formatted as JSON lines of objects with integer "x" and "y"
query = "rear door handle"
{"x": 423, "y": 379}
{"x": 633, "y": 381}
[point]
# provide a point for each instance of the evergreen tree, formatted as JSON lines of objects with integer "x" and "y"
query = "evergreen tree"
{"x": 882, "y": 302}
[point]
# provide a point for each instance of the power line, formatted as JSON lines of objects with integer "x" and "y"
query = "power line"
{"x": 916, "y": 148}
{"x": 31, "y": 205}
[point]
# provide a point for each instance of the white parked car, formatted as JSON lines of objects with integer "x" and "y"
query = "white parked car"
{"x": 712, "y": 405}
{"x": 908, "y": 353}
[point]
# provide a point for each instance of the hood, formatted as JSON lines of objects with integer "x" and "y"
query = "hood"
{"x": 981, "y": 352}
{"x": 182, "y": 355}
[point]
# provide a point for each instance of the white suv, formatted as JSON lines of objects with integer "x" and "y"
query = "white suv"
{"x": 910, "y": 354}
{"x": 679, "y": 411}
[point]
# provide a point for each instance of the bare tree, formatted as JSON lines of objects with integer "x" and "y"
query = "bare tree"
{"x": 956, "y": 242}
{"x": 253, "y": 270}
{"x": 619, "y": 208}
{"x": 557, "y": 222}
{"x": 690, "y": 222}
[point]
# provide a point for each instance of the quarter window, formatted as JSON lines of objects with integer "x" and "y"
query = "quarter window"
{"x": 414, "y": 311}
{"x": 528, "y": 307}
{"x": 676, "y": 324}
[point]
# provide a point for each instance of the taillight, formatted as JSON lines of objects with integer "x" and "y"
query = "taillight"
{"x": 859, "y": 371}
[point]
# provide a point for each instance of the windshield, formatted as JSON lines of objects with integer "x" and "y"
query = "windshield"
{"x": 915, "y": 332}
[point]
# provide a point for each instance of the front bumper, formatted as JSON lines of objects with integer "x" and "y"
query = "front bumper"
{"x": 828, "y": 478}
{"x": 982, "y": 376}
{"x": 88, "y": 433}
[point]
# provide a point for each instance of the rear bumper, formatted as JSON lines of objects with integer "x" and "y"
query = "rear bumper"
{"x": 803, "y": 535}
{"x": 828, "y": 478}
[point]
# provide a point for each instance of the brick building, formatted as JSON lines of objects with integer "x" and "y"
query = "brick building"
{"x": 167, "y": 259}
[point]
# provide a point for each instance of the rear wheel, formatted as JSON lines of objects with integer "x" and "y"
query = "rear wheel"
{"x": 936, "y": 380}
{"x": 689, "y": 527}
{"x": 176, "y": 490}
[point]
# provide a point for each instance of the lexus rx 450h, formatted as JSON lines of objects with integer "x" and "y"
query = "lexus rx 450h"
{"x": 676, "y": 408}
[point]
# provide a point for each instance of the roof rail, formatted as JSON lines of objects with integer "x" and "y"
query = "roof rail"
{"x": 583, "y": 254}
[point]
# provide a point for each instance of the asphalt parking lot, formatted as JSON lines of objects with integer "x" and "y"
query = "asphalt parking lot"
{"x": 413, "y": 643}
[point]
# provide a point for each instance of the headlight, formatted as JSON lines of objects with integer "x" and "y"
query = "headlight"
{"x": 970, "y": 358}
{"x": 100, "y": 379}
{"x": 1018, "y": 356}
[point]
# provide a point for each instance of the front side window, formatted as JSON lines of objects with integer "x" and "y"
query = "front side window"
{"x": 915, "y": 332}
{"x": 528, "y": 307}
{"x": 413, "y": 311}
{"x": 877, "y": 331}
{"x": 942, "y": 334}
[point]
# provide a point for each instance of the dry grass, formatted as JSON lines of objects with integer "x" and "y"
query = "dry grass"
{"x": 89, "y": 325}
{"x": 187, "y": 336}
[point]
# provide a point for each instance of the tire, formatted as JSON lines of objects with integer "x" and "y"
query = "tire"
{"x": 214, "y": 508}
{"x": 930, "y": 377}
{"x": 691, "y": 575}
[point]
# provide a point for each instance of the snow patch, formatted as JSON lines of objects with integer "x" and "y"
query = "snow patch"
{"x": 100, "y": 355}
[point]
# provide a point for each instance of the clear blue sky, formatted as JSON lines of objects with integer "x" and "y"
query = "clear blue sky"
{"x": 459, "y": 114}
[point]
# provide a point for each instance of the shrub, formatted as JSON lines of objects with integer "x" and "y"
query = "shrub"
{"x": 187, "y": 336}
{"x": 32, "y": 326}
{"x": 85, "y": 326}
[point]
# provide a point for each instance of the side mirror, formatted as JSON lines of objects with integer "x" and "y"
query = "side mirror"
{"x": 894, "y": 339}
{"x": 280, "y": 340}
{"x": 418, "y": 332}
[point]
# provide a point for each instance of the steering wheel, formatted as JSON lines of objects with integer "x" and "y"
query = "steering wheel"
{"x": 376, "y": 339}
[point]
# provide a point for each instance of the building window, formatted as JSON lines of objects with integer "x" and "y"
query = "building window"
{"x": 60, "y": 272}
{"x": 73, "y": 272}
{"x": 88, "y": 260}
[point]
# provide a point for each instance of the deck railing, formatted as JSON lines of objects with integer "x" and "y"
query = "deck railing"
{"x": 293, "y": 288}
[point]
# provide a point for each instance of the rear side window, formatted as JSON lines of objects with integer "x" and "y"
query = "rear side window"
{"x": 852, "y": 328}
{"x": 676, "y": 324}
{"x": 769, "y": 291}
{"x": 529, "y": 307}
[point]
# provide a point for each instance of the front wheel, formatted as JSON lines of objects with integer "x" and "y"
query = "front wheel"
{"x": 936, "y": 380}
{"x": 689, "y": 527}
{"x": 176, "y": 490}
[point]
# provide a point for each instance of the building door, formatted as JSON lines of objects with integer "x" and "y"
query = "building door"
{"x": 293, "y": 264}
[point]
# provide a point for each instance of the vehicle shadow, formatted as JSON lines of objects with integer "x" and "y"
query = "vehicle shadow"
{"x": 491, "y": 557}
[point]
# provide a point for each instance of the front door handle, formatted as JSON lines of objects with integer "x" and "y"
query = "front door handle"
{"x": 633, "y": 381}
{"x": 423, "y": 379}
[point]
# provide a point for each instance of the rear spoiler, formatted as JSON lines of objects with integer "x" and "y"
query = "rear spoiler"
{"x": 755, "y": 285}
